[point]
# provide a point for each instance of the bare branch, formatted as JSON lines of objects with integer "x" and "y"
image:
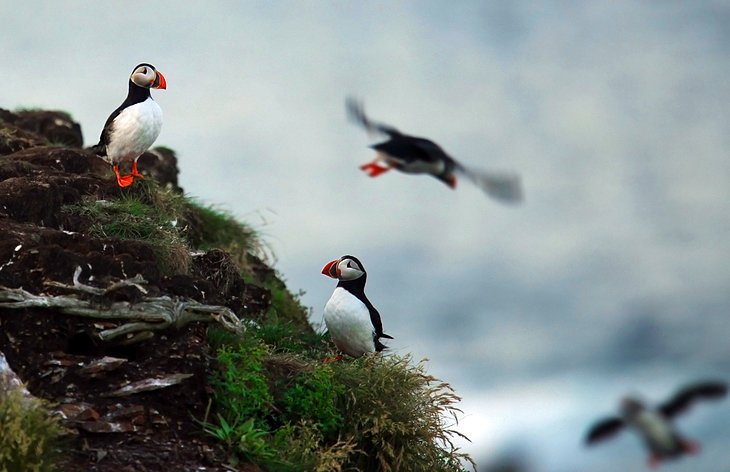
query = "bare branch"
{"x": 81, "y": 287}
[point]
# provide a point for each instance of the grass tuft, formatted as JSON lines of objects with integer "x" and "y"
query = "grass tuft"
{"x": 211, "y": 228}
{"x": 29, "y": 435}
{"x": 139, "y": 217}
{"x": 171, "y": 223}
{"x": 375, "y": 413}
{"x": 400, "y": 418}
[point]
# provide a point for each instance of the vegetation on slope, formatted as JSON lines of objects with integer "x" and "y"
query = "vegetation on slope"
{"x": 29, "y": 435}
{"x": 281, "y": 406}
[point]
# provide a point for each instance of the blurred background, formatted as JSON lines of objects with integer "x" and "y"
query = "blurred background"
{"x": 611, "y": 278}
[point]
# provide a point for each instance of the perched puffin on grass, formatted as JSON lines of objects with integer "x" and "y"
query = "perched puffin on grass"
{"x": 132, "y": 128}
{"x": 352, "y": 321}
{"x": 655, "y": 425}
{"x": 414, "y": 155}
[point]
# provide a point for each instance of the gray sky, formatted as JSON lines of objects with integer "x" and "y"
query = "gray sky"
{"x": 612, "y": 277}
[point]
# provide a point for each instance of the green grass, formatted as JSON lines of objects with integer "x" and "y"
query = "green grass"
{"x": 241, "y": 388}
{"x": 284, "y": 304}
{"x": 29, "y": 435}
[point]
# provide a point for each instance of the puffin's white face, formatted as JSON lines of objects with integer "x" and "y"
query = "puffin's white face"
{"x": 344, "y": 268}
{"x": 147, "y": 76}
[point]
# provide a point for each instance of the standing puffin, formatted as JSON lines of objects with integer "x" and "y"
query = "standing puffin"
{"x": 352, "y": 321}
{"x": 414, "y": 155}
{"x": 132, "y": 128}
{"x": 655, "y": 425}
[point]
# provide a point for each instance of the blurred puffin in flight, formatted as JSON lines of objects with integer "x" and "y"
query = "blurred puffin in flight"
{"x": 132, "y": 128}
{"x": 414, "y": 155}
{"x": 352, "y": 321}
{"x": 655, "y": 425}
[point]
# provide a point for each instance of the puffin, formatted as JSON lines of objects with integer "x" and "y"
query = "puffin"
{"x": 352, "y": 321}
{"x": 414, "y": 155}
{"x": 132, "y": 128}
{"x": 654, "y": 425}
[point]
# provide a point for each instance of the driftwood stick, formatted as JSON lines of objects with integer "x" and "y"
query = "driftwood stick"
{"x": 149, "y": 314}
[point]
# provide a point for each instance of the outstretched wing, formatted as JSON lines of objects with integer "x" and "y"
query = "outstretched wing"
{"x": 356, "y": 112}
{"x": 683, "y": 399}
{"x": 604, "y": 429}
{"x": 502, "y": 186}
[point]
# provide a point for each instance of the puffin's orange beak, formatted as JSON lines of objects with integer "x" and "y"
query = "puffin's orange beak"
{"x": 331, "y": 269}
{"x": 160, "y": 82}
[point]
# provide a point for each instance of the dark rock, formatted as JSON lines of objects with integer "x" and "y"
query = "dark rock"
{"x": 13, "y": 139}
{"x": 56, "y": 126}
{"x": 160, "y": 163}
{"x": 217, "y": 267}
{"x": 30, "y": 128}
{"x": 30, "y": 256}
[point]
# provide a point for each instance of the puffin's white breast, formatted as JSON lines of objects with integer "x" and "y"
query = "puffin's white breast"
{"x": 134, "y": 130}
{"x": 657, "y": 430}
{"x": 348, "y": 321}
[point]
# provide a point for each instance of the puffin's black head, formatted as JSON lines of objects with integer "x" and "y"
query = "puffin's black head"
{"x": 346, "y": 268}
{"x": 630, "y": 407}
{"x": 146, "y": 76}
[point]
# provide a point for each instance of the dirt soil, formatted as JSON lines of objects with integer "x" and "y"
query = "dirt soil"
{"x": 59, "y": 356}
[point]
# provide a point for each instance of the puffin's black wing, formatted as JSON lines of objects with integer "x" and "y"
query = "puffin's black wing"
{"x": 687, "y": 395}
{"x": 603, "y": 429}
{"x": 377, "y": 326}
{"x": 356, "y": 112}
{"x": 100, "y": 149}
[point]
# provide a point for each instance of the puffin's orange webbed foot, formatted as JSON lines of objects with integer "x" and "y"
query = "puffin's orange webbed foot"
{"x": 135, "y": 172}
{"x": 123, "y": 180}
{"x": 374, "y": 169}
{"x": 333, "y": 358}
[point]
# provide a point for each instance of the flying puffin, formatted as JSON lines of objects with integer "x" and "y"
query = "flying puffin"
{"x": 132, "y": 128}
{"x": 414, "y": 155}
{"x": 655, "y": 425}
{"x": 352, "y": 321}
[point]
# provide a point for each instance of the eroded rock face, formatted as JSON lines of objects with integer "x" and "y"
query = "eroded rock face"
{"x": 31, "y": 128}
{"x": 56, "y": 126}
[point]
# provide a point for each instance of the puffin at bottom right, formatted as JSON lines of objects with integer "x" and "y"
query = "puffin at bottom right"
{"x": 655, "y": 425}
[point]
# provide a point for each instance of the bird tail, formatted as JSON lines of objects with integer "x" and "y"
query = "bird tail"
{"x": 98, "y": 149}
{"x": 380, "y": 347}
{"x": 505, "y": 187}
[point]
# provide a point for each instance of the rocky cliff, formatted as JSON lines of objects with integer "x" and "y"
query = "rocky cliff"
{"x": 131, "y": 309}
